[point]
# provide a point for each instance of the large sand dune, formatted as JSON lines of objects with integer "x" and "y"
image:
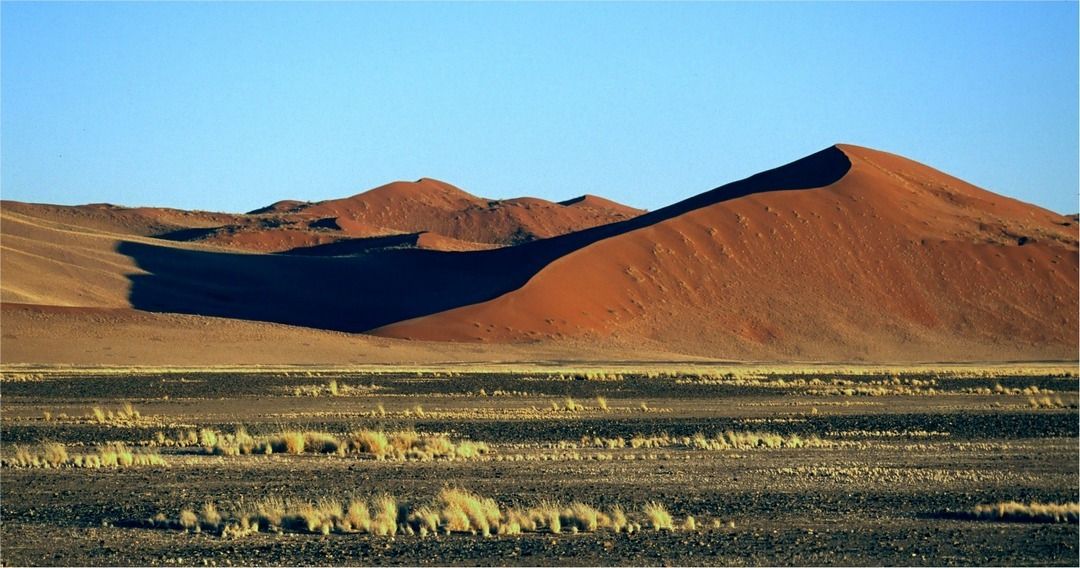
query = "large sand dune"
{"x": 848, "y": 254}
{"x": 894, "y": 260}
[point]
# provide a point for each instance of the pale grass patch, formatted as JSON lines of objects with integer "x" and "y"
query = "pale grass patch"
{"x": 358, "y": 516}
{"x": 584, "y": 518}
{"x": 547, "y": 515}
{"x": 188, "y": 519}
{"x": 619, "y": 522}
{"x": 56, "y": 455}
{"x": 571, "y": 405}
{"x": 370, "y": 442}
{"x": 384, "y": 523}
{"x": 452, "y": 510}
{"x": 1047, "y": 402}
{"x": 209, "y": 514}
{"x": 125, "y": 415}
{"x": 659, "y": 517}
{"x": 1033, "y": 512}
{"x": 729, "y": 440}
{"x": 332, "y": 388}
{"x": 289, "y": 442}
{"x": 465, "y": 511}
{"x": 207, "y": 438}
{"x": 400, "y": 445}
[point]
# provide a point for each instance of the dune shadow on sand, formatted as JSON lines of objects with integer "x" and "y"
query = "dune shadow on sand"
{"x": 372, "y": 287}
{"x": 357, "y": 245}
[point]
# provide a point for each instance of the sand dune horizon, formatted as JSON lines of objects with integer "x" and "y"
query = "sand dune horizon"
{"x": 847, "y": 254}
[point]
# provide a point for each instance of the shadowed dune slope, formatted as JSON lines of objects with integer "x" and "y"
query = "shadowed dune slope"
{"x": 893, "y": 261}
{"x": 387, "y": 285}
{"x": 343, "y": 293}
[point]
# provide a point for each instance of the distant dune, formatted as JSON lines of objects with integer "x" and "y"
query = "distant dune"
{"x": 450, "y": 219}
{"x": 849, "y": 254}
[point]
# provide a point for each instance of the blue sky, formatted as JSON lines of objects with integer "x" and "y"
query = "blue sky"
{"x": 232, "y": 106}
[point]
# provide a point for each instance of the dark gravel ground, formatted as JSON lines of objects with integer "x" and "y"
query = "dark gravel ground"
{"x": 883, "y": 502}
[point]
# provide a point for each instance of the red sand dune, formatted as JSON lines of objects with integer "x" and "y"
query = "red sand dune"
{"x": 447, "y": 217}
{"x": 893, "y": 260}
{"x": 433, "y": 206}
{"x": 848, "y": 254}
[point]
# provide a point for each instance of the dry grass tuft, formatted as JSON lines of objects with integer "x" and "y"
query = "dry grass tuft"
{"x": 619, "y": 522}
{"x": 357, "y": 516}
{"x": 209, "y": 514}
{"x": 1047, "y": 402}
{"x": 401, "y": 445}
{"x": 384, "y": 523}
{"x": 1033, "y": 512}
{"x": 453, "y": 510}
{"x": 690, "y": 524}
{"x": 728, "y": 440}
{"x": 55, "y": 455}
{"x": 659, "y": 517}
{"x": 126, "y": 415}
{"x": 370, "y": 442}
{"x": 464, "y": 511}
{"x": 332, "y": 388}
{"x": 188, "y": 519}
{"x": 583, "y": 518}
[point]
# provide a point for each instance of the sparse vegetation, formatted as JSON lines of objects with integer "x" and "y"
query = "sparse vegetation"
{"x": 728, "y": 440}
{"x": 55, "y": 455}
{"x": 1047, "y": 402}
{"x": 570, "y": 466}
{"x": 400, "y": 445}
{"x": 452, "y": 510}
{"x": 331, "y": 388}
{"x": 126, "y": 415}
{"x": 659, "y": 518}
{"x": 1033, "y": 512}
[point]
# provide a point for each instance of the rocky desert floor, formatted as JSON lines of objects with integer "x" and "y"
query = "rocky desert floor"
{"x": 541, "y": 466}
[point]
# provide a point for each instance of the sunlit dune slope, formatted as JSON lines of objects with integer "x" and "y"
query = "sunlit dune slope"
{"x": 894, "y": 260}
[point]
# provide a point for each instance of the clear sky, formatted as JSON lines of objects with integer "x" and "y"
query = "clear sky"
{"x": 233, "y": 106}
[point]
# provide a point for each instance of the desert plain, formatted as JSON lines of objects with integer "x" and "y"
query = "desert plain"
{"x": 853, "y": 359}
{"x": 749, "y": 465}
